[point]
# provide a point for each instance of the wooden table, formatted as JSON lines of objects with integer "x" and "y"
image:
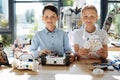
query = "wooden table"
{"x": 113, "y": 48}
{"x": 79, "y": 70}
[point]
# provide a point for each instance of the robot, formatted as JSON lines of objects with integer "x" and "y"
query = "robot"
{"x": 93, "y": 43}
{"x": 97, "y": 71}
{"x": 22, "y": 39}
{"x": 109, "y": 18}
{"x": 55, "y": 58}
{"x": 25, "y": 61}
{"x": 70, "y": 16}
{"x": 107, "y": 24}
{"x": 3, "y": 56}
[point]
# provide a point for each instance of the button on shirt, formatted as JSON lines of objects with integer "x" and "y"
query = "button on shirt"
{"x": 54, "y": 41}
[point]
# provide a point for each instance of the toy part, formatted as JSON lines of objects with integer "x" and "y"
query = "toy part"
{"x": 57, "y": 59}
{"x": 97, "y": 71}
{"x": 25, "y": 61}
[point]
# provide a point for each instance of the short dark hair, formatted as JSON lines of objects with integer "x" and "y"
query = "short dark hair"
{"x": 52, "y": 8}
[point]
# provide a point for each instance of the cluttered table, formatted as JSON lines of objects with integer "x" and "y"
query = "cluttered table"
{"x": 79, "y": 70}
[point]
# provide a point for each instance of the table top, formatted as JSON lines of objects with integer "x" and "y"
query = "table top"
{"x": 113, "y": 48}
{"x": 79, "y": 70}
{"x": 76, "y": 71}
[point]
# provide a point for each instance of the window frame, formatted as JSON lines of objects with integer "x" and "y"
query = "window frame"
{"x": 7, "y": 30}
{"x": 104, "y": 9}
{"x": 13, "y": 3}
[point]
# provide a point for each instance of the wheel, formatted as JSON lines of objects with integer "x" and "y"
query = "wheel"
{"x": 43, "y": 59}
{"x": 35, "y": 66}
{"x": 67, "y": 60}
{"x": 14, "y": 64}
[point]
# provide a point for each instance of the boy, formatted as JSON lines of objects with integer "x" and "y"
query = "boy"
{"x": 50, "y": 38}
{"x": 89, "y": 41}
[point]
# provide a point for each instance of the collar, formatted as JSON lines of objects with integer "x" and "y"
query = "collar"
{"x": 93, "y": 33}
{"x": 46, "y": 30}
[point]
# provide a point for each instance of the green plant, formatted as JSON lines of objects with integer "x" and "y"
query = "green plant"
{"x": 3, "y": 21}
{"x": 67, "y": 2}
{"x": 33, "y": 30}
{"x": 6, "y": 39}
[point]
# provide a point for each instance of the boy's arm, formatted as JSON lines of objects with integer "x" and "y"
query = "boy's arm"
{"x": 105, "y": 51}
{"x": 76, "y": 48}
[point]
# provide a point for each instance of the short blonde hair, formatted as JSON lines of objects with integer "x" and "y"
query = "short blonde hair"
{"x": 88, "y": 7}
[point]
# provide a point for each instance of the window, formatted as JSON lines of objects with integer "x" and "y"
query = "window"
{"x": 36, "y": 0}
{"x": 28, "y": 16}
{"x": 112, "y": 22}
{"x": 115, "y": 26}
{"x": 114, "y": 0}
{"x": 5, "y": 29}
{"x": 4, "y": 20}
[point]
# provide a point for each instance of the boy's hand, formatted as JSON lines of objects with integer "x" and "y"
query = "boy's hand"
{"x": 102, "y": 52}
{"x": 72, "y": 57}
{"x": 45, "y": 51}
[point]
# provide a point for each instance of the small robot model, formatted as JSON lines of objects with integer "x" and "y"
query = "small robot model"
{"x": 93, "y": 43}
{"x": 55, "y": 59}
{"x": 25, "y": 61}
{"x": 109, "y": 18}
{"x": 97, "y": 71}
{"x": 3, "y": 56}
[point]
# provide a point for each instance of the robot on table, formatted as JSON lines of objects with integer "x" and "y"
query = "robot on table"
{"x": 25, "y": 61}
{"x": 55, "y": 58}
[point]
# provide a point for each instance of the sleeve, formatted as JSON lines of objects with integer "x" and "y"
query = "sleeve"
{"x": 34, "y": 46}
{"x": 66, "y": 44}
{"x": 75, "y": 37}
